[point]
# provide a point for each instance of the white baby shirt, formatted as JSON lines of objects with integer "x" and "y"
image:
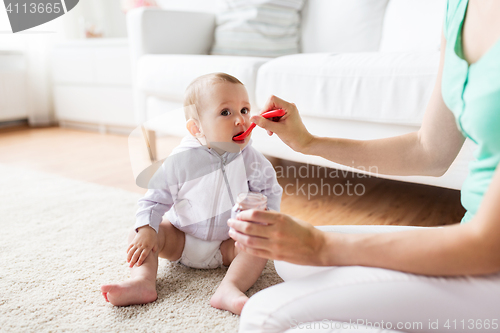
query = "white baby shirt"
{"x": 196, "y": 188}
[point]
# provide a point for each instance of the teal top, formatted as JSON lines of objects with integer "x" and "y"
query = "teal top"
{"x": 472, "y": 92}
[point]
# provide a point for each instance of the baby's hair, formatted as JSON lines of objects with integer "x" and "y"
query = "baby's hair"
{"x": 193, "y": 91}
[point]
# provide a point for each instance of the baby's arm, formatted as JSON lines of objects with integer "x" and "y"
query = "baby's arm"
{"x": 152, "y": 207}
{"x": 162, "y": 191}
{"x": 155, "y": 203}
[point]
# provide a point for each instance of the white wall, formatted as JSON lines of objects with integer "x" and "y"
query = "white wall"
{"x": 106, "y": 14}
{"x": 36, "y": 44}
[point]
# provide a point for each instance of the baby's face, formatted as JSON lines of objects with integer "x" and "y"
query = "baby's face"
{"x": 225, "y": 113}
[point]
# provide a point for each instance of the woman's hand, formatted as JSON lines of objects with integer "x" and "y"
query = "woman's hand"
{"x": 141, "y": 246}
{"x": 289, "y": 128}
{"x": 273, "y": 235}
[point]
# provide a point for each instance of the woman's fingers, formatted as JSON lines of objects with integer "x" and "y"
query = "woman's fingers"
{"x": 267, "y": 124}
{"x": 281, "y": 238}
{"x": 249, "y": 228}
{"x": 271, "y": 126}
{"x": 261, "y": 216}
{"x": 253, "y": 242}
{"x": 274, "y": 102}
{"x": 290, "y": 128}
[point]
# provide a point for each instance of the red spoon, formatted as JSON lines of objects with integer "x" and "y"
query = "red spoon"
{"x": 269, "y": 114}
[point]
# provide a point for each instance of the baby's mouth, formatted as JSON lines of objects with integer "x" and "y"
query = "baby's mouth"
{"x": 234, "y": 136}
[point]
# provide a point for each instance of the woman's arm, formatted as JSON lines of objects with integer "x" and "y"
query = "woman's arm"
{"x": 473, "y": 248}
{"x": 430, "y": 151}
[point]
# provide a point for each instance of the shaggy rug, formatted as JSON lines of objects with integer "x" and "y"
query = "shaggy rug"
{"x": 61, "y": 239}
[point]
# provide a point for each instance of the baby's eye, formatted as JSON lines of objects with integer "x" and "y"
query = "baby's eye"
{"x": 244, "y": 111}
{"x": 225, "y": 112}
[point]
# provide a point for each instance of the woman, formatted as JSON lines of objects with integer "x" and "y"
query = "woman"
{"x": 447, "y": 279}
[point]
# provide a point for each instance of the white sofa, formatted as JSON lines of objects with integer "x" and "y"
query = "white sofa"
{"x": 366, "y": 71}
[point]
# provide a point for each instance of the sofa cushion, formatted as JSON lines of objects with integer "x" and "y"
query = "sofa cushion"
{"x": 413, "y": 25}
{"x": 167, "y": 76}
{"x": 265, "y": 28}
{"x": 372, "y": 86}
{"x": 342, "y": 26}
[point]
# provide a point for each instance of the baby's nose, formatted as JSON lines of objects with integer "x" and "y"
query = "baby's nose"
{"x": 239, "y": 120}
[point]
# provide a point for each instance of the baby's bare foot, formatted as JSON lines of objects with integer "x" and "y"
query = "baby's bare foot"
{"x": 228, "y": 297}
{"x": 132, "y": 291}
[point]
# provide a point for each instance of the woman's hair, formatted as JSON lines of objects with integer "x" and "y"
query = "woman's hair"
{"x": 193, "y": 91}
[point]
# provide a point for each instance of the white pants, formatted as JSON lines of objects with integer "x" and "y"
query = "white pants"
{"x": 365, "y": 299}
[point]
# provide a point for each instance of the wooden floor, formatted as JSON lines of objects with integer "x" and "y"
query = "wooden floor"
{"x": 104, "y": 159}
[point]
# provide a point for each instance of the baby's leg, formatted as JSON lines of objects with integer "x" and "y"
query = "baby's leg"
{"x": 141, "y": 287}
{"x": 244, "y": 270}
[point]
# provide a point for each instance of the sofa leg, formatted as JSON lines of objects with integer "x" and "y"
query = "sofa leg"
{"x": 150, "y": 138}
{"x": 152, "y": 143}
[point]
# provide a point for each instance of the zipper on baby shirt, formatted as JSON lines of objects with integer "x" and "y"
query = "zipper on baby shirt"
{"x": 214, "y": 210}
{"x": 227, "y": 182}
{"x": 213, "y": 220}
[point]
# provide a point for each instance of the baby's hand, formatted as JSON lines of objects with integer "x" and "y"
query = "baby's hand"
{"x": 144, "y": 242}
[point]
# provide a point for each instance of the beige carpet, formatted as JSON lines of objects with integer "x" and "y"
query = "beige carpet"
{"x": 61, "y": 239}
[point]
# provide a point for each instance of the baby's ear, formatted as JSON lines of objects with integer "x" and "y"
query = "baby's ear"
{"x": 193, "y": 128}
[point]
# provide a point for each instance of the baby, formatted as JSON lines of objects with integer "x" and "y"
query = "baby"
{"x": 195, "y": 189}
